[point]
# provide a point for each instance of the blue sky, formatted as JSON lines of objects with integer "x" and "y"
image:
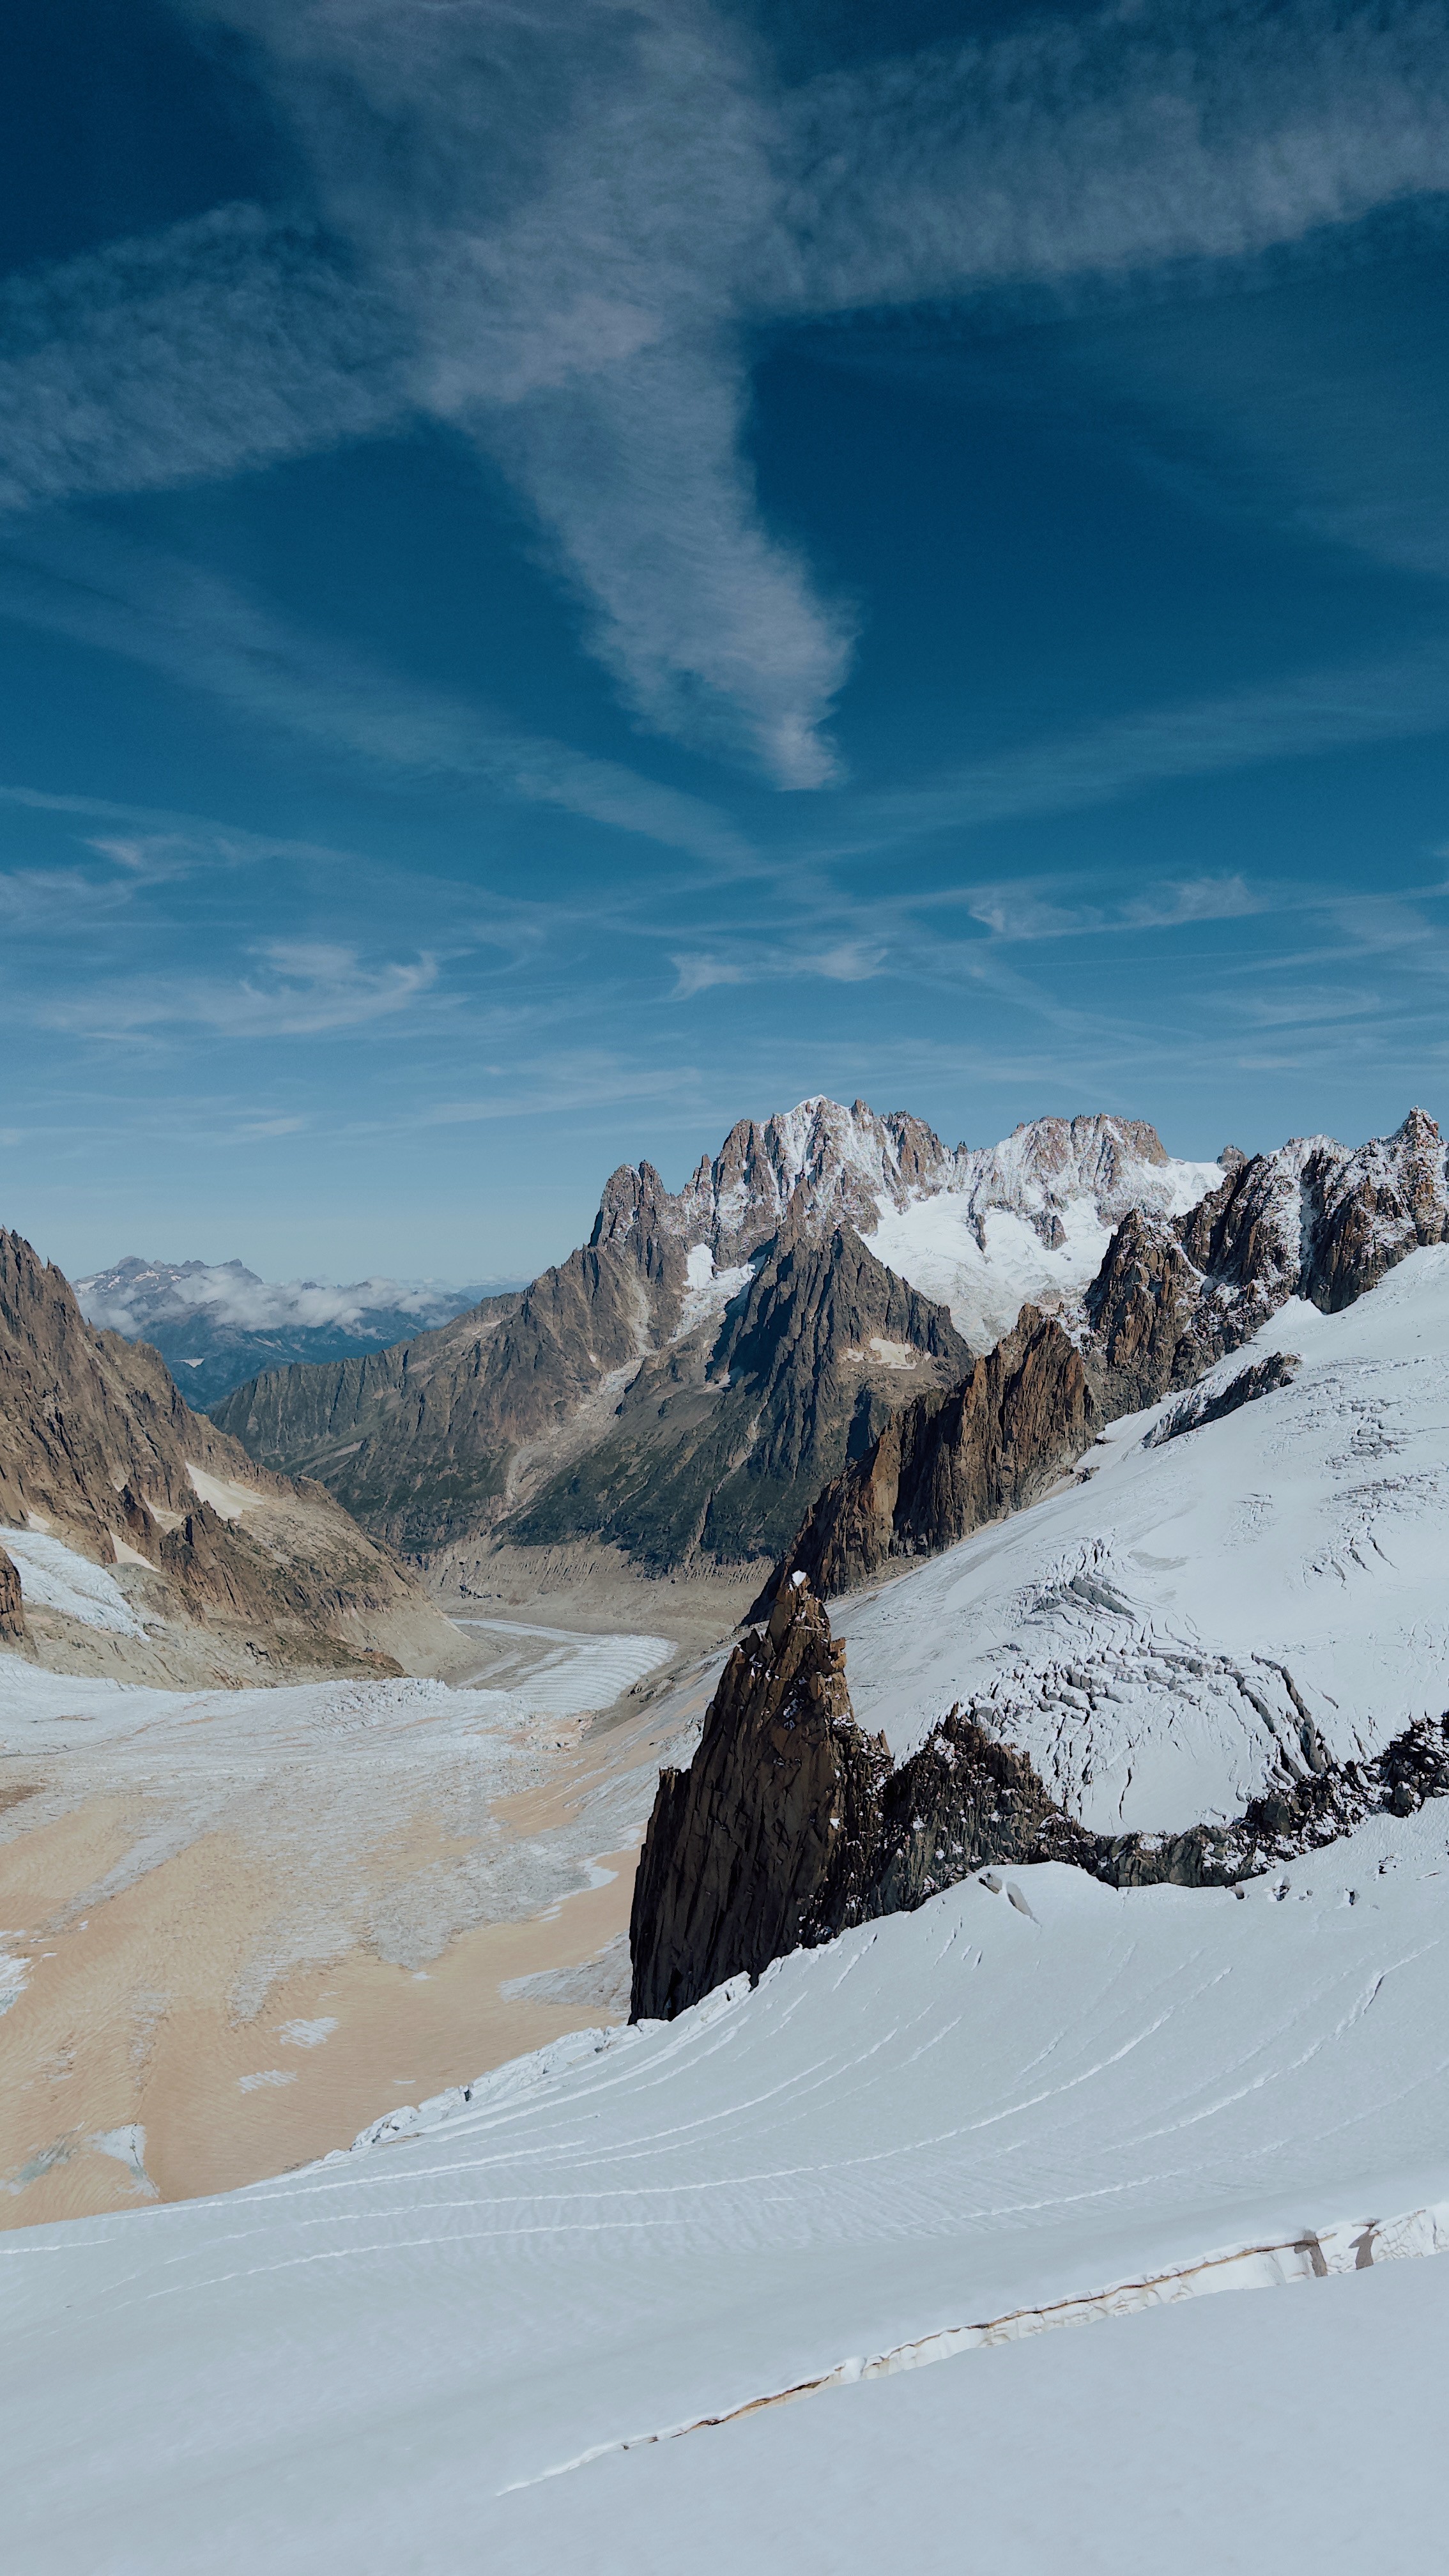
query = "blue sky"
{"x": 569, "y": 573}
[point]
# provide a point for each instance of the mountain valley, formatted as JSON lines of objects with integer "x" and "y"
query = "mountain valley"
{"x": 1006, "y": 1608}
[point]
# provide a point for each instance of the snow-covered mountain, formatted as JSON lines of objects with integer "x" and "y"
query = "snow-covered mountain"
{"x": 549, "y": 2321}
{"x": 1222, "y": 1643}
{"x": 555, "y": 2315}
{"x": 683, "y": 1385}
{"x": 216, "y": 1323}
{"x": 981, "y": 1229}
{"x": 1158, "y": 1636}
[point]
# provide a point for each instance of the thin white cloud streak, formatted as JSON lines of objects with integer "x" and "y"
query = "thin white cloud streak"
{"x": 1025, "y": 912}
{"x": 1113, "y": 142}
{"x": 565, "y": 219}
{"x": 899, "y": 937}
{"x": 222, "y": 345}
{"x": 578, "y": 1078}
{"x": 207, "y": 634}
{"x": 1317, "y": 712}
{"x": 301, "y": 988}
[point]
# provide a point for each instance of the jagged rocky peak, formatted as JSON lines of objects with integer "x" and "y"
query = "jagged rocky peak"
{"x": 806, "y": 1169}
{"x": 1331, "y": 1218}
{"x": 1046, "y": 1163}
{"x": 922, "y": 1206}
{"x": 756, "y": 1849}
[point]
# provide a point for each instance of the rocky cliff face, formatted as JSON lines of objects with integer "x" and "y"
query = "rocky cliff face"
{"x": 12, "y": 1607}
{"x": 756, "y": 1848}
{"x": 791, "y": 1824}
{"x": 946, "y": 1463}
{"x": 98, "y": 1450}
{"x": 1173, "y": 1295}
{"x": 724, "y": 1437}
{"x": 683, "y": 1385}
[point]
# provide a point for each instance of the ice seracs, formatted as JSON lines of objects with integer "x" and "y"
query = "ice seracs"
{"x": 1155, "y": 1635}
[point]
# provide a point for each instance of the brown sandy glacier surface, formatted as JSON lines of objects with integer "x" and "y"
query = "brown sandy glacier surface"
{"x": 236, "y": 1926}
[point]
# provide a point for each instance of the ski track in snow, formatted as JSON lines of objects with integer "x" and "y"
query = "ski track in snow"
{"x": 1153, "y": 1635}
{"x": 952, "y": 2129}
{"x": 561, "y": 2313}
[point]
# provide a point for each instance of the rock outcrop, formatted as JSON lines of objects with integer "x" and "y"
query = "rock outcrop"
{"x": 946, "y": 1463}
{"x": 723, "y": 1439}
{"x": 1172, "y": 1296}
{"x": 1203, "y": 1405}
{"x": 99, "y": 1450}
{"x": 791, "y": 1824}
{"x": 12, "y": 1607}
{"x": 756, "y": 1849}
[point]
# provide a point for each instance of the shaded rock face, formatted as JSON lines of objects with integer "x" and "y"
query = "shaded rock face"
{"x": 757, "y": 1848}
{"x": 1264, "y": 1377}
{"x": 947, "y": 1463}
{"x": 97, "y": 1444}
{"x": 12, "y": 1609}
{"x": 417, "y": 1441}
{"x": 1173, "y": 1295}
{"x": 720, "y": 1443}
{"x": 791, "y": 1825}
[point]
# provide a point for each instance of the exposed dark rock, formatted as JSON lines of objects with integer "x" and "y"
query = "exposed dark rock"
{"x": 759, "y": 1846}
{"x": 947, "y": 1463}
{"x": 1264, "y": 1377}
{"x": 12, "y": 1607}
{"x": 720, "y": 1445}
{"x": 791, "y": 1825}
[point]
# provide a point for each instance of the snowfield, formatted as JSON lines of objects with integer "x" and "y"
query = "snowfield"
{"x": 1014, "y": 2109}
{"x": 1155, "y": 1636}
{"x": 984, "y": 1260}
{"x": 56, "y": 1577}
{"x": 555, "y": 2317}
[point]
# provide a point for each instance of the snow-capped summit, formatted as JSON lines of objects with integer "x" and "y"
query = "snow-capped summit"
{"x": 981, "y": 1229}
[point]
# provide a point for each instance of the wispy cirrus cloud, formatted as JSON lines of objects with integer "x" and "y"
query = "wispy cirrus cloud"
{"x": 221, "y": 345}
{"x": 208, "y": 633}
{"x": 1310, "y": 712}
{"x": 559, "y": 228}
{"x": 297, "y": 988}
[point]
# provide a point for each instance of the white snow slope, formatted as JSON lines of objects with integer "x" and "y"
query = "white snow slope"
{"x": 959, "y": 1245}
{"x": 548, "y": 2321}
{"x": 1007, "y": 2111}
{"x": 1142, "y": 1634}
{"x": 55, "y": 1577}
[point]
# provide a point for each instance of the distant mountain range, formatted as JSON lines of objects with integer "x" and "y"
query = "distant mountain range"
{"x": 138, "y": 1541}
{"x": 216, "y": 1324}
{"x": 684, "y": 1385}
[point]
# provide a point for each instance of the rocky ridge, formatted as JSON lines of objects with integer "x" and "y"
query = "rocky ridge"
{"x": 12, "y": 1606}
{"x": 99, "y": 1451}
{"x": 1173, "y": 1295}
{"x": 684, "y": 1384}
{"x": 791, "y": 1825}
